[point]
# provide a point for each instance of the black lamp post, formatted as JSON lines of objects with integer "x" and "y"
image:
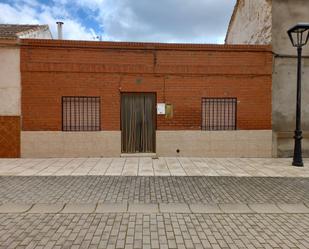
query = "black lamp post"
{"x": 299, "y": 35}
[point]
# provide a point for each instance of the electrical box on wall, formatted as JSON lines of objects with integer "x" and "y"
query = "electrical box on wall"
{"x": 168, "y": 110}
{"x": 161, "y": 108}
{"x": 165, "y": 109}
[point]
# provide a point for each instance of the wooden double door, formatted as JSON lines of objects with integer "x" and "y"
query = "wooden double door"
{"x": 138, "y": 122}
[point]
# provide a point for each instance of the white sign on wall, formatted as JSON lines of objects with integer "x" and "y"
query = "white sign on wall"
{"x": 161, "y": 108}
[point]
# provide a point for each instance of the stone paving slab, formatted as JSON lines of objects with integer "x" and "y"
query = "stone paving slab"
{"x": 174, "y": 208}
{"x": 14, "y": 208}
{"x": 294, "y": 208}
{"x": 143, "y": 208}
{"x": 41, "y": 208}
{"x": 111, "y": 208}
{"x": 147, "y": 166}
{"x": 235, "y": 208}
{"x": 265, "y": 208}
{"x": 79, "y": 208}
{"x": 205, "y": 208}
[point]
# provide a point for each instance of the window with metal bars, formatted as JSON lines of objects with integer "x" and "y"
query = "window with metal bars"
{"x": 81, "y": 113}
{"x": 219, "y": 114}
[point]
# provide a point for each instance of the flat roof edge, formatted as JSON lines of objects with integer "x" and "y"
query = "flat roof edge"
{"x": 141, "y": 45}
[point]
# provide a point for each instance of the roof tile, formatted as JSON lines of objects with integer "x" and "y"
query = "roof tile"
{"x": 12, "y": 31}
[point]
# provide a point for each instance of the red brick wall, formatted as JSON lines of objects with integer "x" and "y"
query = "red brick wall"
{"x": 9, "y": 136}
{"x": 180, "y": 75}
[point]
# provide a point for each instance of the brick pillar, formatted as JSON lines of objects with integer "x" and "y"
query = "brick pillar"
{"x": 9, "y": 136}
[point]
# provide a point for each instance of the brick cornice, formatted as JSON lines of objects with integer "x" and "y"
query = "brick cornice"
{"x": 9, "y": 42}
{"x": 142, "y": 45}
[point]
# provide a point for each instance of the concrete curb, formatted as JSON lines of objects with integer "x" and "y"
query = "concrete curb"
{"x": 145, "y": 208}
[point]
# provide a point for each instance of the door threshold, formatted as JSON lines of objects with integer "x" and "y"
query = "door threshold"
{"x": 152, "y": 155}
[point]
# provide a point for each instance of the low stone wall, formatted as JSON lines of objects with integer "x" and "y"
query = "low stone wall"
{"x": 284, "y": 142}
{"x": 70, "y": 144}
{"x": 108, "y": 143}
{"x": 256, "y": 143}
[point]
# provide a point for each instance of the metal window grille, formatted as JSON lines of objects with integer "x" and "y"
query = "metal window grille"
{"x": 81, "y": 113}
{"x": 219, "y": 114}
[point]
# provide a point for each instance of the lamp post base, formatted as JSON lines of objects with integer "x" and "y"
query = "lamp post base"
{"x": 298, "y": 164}
{"x": 297, "y": 158}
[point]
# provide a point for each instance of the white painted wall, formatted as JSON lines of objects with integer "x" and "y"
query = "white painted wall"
{"x": 10, "y": 87}
{"x": 10, "y": 79}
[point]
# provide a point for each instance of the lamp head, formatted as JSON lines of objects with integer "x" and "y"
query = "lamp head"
{"x": 299, "y": 34}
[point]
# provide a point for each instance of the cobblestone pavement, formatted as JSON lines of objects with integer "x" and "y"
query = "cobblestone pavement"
{"x": 154, "y": 231}
{"x": 93, "y": 189}
{"x": 163, "y": 166}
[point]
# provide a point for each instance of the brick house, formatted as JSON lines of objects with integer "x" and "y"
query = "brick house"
{"x": 110, "y": 98}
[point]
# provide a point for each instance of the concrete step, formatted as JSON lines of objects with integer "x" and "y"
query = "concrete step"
{"x": 152, "y": 155}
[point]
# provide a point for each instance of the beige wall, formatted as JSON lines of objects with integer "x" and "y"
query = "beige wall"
{"x": 108, "y": 143}
{"x": 284, "y": 95}
{"x": 70, "y": 144}
{"x": 10, "y": 89}
{"x": 10, "y": 86}
{"x": 251, "y": 23}
{"x": 284, "y": 14}
{"x": 215, "y": 143}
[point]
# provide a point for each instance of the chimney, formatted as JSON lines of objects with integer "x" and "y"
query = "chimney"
{"x": 59, "y": 28}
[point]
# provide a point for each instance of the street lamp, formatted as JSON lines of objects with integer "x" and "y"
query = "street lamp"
{"x": 299, "y": 35}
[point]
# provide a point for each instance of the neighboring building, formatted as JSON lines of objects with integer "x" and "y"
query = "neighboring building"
{"x": 250, "y": 23}
{"x": 267, "y": 22}
{"x": 17, "y": 31}
{"x": 10, "y": 86}
{"x": 106, "y": 98}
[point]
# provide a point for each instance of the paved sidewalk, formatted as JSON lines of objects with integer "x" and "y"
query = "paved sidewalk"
{"x": 147, "y": 189}
{"x": 168, "y": 166}
{"x": 174, "y": 203}
{"x": 143, "y": 231}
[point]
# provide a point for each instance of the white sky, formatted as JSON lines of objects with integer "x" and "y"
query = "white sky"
{"x": 192, "y": 21}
